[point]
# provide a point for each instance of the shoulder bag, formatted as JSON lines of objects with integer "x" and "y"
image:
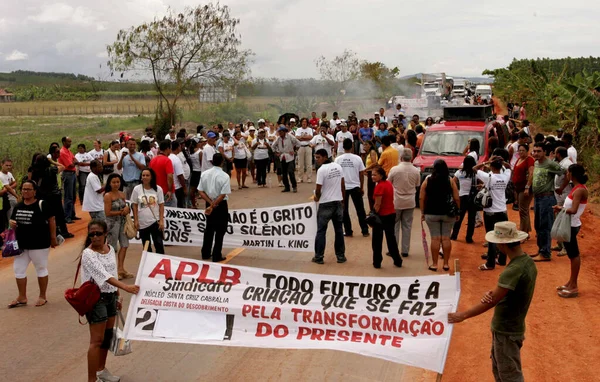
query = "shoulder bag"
{"x": 108, "y": 169}
{"x": 452, "y": 208}
{"x": 84, "y": 298}
{"x": 484, "y": 197}
{"x": 373, "y": 220}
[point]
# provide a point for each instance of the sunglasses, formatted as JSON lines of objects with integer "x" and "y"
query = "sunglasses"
{"x": 95, "y": 234}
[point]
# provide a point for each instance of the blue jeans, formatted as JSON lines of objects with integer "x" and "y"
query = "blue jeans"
{"x": 68, "y": 182}
{"x": 544, "y": 218}
{"x": 330, "y": 211}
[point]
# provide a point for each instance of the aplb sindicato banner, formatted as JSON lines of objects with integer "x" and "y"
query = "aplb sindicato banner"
{"x": 284, "y": 228}
{"x": 400, "y": 319}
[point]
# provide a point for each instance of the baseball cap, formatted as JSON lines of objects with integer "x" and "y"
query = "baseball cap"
{"x": 261, "y": 121}
{"x": 211, "y": 135}
{"x": 292, "y": 119}
{"x": 282, "y": 128}
{"x": 376, "y": 113}
{"x": 252, "y": 128}
{"x": 559, "y": 130}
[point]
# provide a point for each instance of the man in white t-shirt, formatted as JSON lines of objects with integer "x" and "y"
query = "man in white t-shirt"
{"x": 496, "y": 181}
{"x": 93, "y": 199}
{"x": 83, "y": 168}
{"x": 353, "y": 170}
{"x": 208, "y": 151}
{"x": 9, "y": 182}
{"x": 330, "y": 195}
{"x": 323, "y": 141}
{"x": 304, "y": 134}
{"x": 178, "y": 178}
{"x": 339, "y": 138}
{"x": 334, "y": 121}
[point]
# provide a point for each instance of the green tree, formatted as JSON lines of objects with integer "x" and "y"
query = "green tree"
{"x": 339, "y": 72}
{"x": 383, "y": 78}
{"x": 181, "y": 51}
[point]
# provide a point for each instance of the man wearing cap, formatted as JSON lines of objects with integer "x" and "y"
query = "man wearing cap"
{"x": 402, "y": 119}
{"x": 304, "y": 134}
{"x": 510, "y": 299}
{"x": 292, "y": 124}
{"x": 172, "y": 134}
{"x": 262, "y": 125}
{"x": 284, "y": 148}
{"x": 208, "y": 151}
{"x": 559, "y": 133}
{"x": 340, "y": 137}
{"x": 399, "y": 110}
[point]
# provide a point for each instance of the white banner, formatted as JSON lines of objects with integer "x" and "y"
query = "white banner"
{"x": 284, "y": 228}
{"x": 400, "y": 319}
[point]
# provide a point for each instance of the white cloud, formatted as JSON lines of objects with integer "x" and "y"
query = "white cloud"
{"x": 461, "y": 37}
{"x": 102, "y": 54}
{"x": 17, "y": 55}
{"x": 64, "y": 13}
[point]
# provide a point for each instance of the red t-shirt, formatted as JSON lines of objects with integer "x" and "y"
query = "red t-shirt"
{"x": 314, "y": 122}
{"x": 162, "y": 166}
{"x": 520, "y": 173}
{"x": 385, "y": 189}
{"x": 66, "y": 159}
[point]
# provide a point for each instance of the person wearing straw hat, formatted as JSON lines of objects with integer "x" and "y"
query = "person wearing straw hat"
{"x": 510, "y": 299}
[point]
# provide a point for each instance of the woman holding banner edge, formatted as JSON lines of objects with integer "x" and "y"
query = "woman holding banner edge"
{"x": 148, "y": 204}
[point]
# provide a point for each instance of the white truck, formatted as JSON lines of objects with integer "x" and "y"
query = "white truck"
{"x": 461, "y": 87}
{"x": 485, "y": 91}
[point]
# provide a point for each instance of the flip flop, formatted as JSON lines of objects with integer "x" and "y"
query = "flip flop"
{"x": 562, "y": 287}
{"x": 38, "y": 304}
{"x": 446, "y": 268}
{"x": 568, "y": 293}
{"x": 16, "y": 304}
{"x": 484, "y": 267}
{"x": 432, "y": 269}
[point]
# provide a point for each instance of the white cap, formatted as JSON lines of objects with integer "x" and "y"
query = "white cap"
{"x": 261, "y": 121}
{"x": 292, "y": 119}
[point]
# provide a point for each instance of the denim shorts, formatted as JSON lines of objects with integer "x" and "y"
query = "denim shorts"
{"x": 105, "y": 308}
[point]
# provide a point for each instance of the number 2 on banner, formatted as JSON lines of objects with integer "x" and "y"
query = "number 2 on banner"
{"x": 145, "y": 319}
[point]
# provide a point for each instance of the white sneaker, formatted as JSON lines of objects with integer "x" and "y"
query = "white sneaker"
{"x": 280, "y": 184}
{"x": 106, "y": 376}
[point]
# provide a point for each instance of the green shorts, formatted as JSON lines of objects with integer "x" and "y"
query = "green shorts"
{"x": 105, "y": 307}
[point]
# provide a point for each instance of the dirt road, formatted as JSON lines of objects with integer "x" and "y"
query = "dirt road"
{"x": 48, "y": 344}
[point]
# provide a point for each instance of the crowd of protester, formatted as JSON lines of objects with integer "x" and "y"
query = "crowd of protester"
{"x": 140, "y": 177}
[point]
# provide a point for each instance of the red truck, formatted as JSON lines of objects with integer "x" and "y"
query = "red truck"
{"x": 448, "y": 139}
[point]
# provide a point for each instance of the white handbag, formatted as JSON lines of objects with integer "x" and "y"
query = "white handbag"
{"x": 119, "y": 345}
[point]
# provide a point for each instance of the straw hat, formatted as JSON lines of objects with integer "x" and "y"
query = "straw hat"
{"x": 505, "y": 232}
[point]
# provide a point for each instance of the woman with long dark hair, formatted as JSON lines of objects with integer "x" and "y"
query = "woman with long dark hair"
{"x": 472, "y": 149}
{"x": 148, "y": 204}
{"x": 112, "y": 157}
{"x": 466, "y": 180}
{"x": 574, "y": 205}
{"x": 35, "y": 231}
{"x": 384, "y": 208}
{"x": 437, "y": 191}
{"x": 371, "y": 163}
{"x": 98, "y": 265}
{"x": 428, "y": 122}
{"x": 115, "y": 209}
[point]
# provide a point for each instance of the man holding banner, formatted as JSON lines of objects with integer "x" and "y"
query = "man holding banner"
{"x": 510, "y": 301}
{"x": 214, "y": 187}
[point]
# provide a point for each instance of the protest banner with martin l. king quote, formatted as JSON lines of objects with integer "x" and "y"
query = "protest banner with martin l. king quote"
{"x": 400, "y": 319}
{"x": 284, "y": 228}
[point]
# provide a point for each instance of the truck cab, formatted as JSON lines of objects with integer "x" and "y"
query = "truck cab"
{"x": 447, "y": 140}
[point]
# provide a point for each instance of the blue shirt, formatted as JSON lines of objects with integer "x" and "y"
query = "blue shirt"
{"x": 380, "y": 134}
{"x": 131, "y": 172}
{"x": 366, "y": 133}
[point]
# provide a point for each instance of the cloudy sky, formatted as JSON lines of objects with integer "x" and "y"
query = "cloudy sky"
{"x": 460, "y": 37}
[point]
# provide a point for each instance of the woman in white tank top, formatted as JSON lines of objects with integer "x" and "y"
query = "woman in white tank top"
{"x": 574, "y": 205}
